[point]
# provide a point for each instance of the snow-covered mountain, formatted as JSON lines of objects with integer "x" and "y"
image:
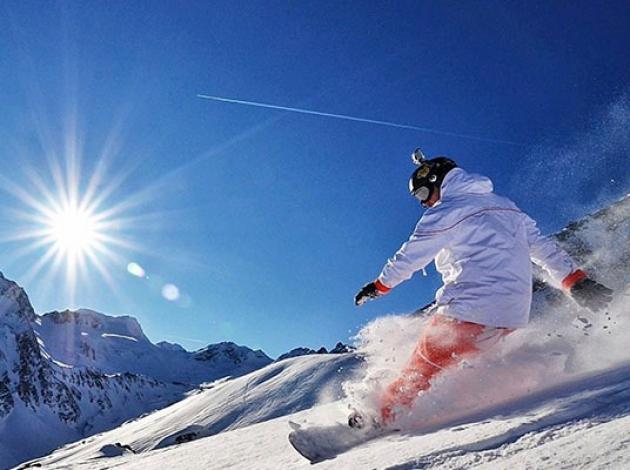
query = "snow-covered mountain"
{"x": 67, "y": 375}
{"x": 340, "y": 348}
{"x": 557, "y": 396}
{"x": 113, "y": 344}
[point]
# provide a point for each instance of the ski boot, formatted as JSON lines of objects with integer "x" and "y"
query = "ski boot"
{"x": 358, "y": 420}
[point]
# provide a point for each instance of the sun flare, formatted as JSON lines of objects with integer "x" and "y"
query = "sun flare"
{"x": 70, "y": 226}
{"x": 73, "y": 231}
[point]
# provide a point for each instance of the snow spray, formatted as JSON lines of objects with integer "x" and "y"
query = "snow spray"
{"x": 561, "y": 343}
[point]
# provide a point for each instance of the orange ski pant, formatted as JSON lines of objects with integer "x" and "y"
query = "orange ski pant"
{"x": 444, "y": 343}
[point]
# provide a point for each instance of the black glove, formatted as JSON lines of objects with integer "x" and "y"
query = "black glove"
{"x": 590, "y": 294}
{"x": 367, "y": 292}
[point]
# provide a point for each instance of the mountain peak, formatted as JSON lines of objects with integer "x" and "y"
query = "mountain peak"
{"x": 232, "y": 352}
{"x": 91, "y": 320}
{"x": 15, "y": 306}
{"x": 170, "y": 346}
{"x": 340, "y": 348}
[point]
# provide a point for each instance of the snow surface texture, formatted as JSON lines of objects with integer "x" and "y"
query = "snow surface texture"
{"x": 553, "y": 395}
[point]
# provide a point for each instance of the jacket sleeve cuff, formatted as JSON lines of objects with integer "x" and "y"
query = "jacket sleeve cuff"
{"x": 382, "y": 288}
{"x": 576, "y": 276}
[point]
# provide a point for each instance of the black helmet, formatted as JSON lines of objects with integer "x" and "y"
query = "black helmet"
{"x": 428, "y": 177}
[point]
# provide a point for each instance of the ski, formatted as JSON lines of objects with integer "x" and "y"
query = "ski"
{"x": 319, "y": 443}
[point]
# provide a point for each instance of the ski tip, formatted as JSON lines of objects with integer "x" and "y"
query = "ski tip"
{"x": 295, "y": 426}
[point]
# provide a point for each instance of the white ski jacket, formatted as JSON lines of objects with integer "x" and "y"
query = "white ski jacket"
{"x": 482, "y": 245}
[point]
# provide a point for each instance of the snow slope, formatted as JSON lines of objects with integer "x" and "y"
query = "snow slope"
{"x": 580, "y": 424}
{"x": 279, "y": 389}
{"x": 553, "y": 395}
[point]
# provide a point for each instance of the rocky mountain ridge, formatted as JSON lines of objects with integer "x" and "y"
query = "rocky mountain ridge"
{"x": 340, "y": 348}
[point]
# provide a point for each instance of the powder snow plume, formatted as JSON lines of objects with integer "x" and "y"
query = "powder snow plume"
{"x": 561, "y": 343}
{"x": 586, "y": 172}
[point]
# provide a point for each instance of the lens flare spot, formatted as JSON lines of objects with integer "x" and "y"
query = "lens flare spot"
{"x": 170, "y": 292}
{"x": 136, "y": 270}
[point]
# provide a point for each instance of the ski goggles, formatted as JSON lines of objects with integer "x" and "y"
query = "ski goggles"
{"x": 421, "y": 194}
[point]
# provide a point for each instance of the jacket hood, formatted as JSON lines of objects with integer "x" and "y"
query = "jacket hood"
{"x": 459, "y": 181}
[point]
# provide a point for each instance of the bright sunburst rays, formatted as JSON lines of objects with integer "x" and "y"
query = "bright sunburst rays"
{"x": 68, "y": 224}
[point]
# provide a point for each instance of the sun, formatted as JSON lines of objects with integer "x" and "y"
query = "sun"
{"x": 72, "y": 225}
{"x": 73, "y": 231}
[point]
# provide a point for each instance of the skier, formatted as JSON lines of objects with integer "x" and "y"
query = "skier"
{"x": 482, "y": 245}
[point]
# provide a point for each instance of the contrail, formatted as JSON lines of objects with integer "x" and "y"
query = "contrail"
{"x": 357, "y": 119}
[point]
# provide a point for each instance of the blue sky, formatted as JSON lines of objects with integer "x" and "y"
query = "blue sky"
{"x": 269, "y": 221}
